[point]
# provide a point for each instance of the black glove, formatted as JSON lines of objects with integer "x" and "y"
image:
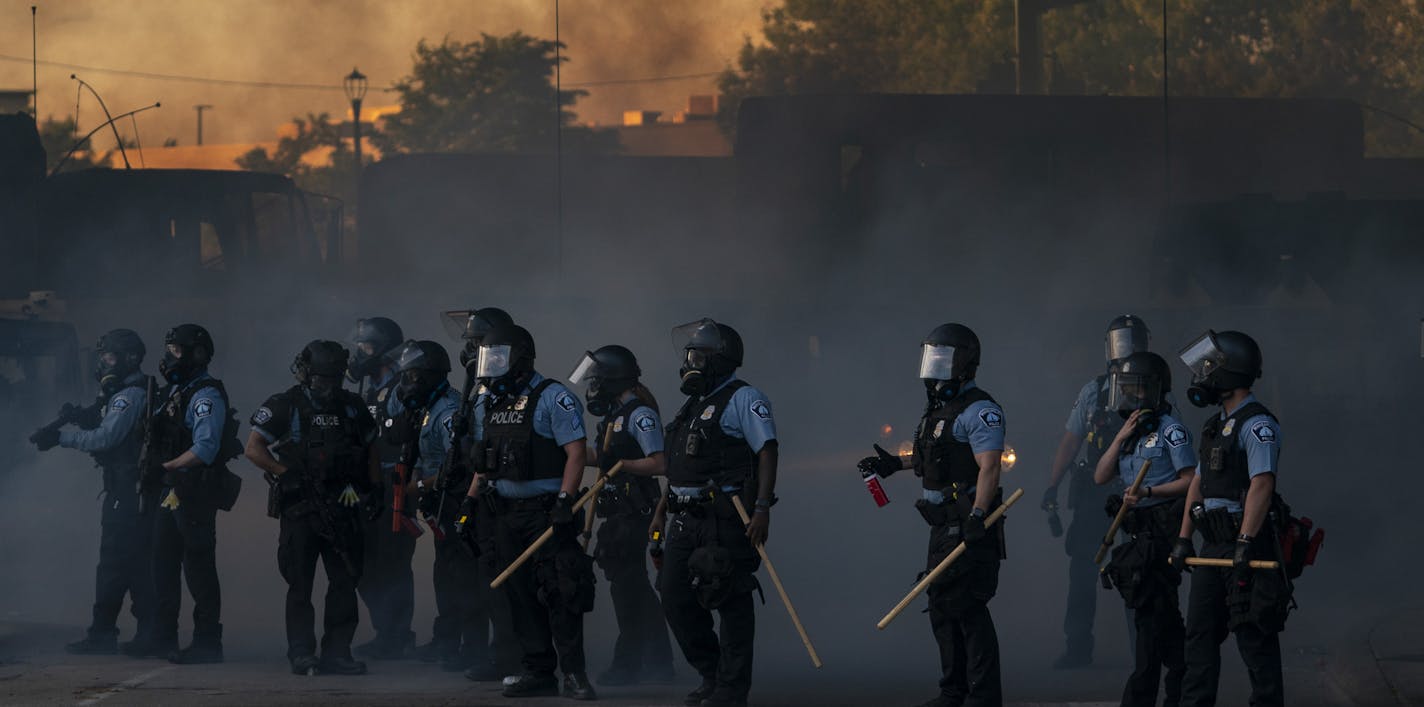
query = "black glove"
{"x": 1112, "y": 505}
{"x": 563, "y": 511}
{"x": 1181, "y": 550}
{"x": 429, "y": 502}
{"x": 372, "y": 505}
{"x": 974, "y": 529}
{"x": 465, "y": 518}
{"x": 883, "y": 463}
{"x": 45, "y": 438}
{"x": 1050, "y": 499}
{"x": 1242, "y": 559}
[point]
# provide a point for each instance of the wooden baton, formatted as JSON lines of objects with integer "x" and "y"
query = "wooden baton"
{"x": 588, "y": 519}
{"x": 776, "y": 580}
{"x": 549, "y": 533}
{"x": 1111, "y": 537}
{"x": 947, "y": 561}
{"x": 1223, "y": 562}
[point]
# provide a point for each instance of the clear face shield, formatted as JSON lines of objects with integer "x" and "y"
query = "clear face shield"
{"x": 700, "y": 338}
{"x": 493, "y": 361}
{"x": 1202, "y": 356}
{"x": 936, "y": 362}
{"x": 585, "y": 369}
{"x": 1128, "y": 392}
{"x": 455, "y": 322}
{"x": 1124, "y": 342}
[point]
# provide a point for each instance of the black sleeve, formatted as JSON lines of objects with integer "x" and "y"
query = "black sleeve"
{"x": 365, "y": 424}
{"x": 274, "y": 418}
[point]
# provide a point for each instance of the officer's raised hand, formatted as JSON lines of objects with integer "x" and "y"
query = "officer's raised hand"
{"x": 1181, "y": 550}
{"x": 882, "y": 464}
{"x": 563, "y": 511}
{"x": 1129, "y": 426}
{"x": 974, "y": 529}
{"x": 1241, "y": 559}
{"x": 45, "y": 438}
{"x": 760, "y": 526}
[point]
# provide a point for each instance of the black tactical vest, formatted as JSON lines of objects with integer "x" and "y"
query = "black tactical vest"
{"x": 171, "y": 436}
{"x": 699, "y": 451}
{"x": 124, "y": 455}
{"x": 1224, "y": 470}
{"x": 330, "y": 441}
{"x": 633, "y": 493}
{"x": 939, "y": 458}
{"x": 513, "y": 451}
{"x": 376, "y": 399}
{"x": 1103, "y": 426}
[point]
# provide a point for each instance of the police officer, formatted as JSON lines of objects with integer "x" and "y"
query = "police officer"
{"x": 1137, "y": 392}
{"x": 125, "y": 553}
{"x": 1091, "y": 428}
{"x": 1233, "y": 502}
{"x": 387, "y": 584}
{"x": 629, "y": 432}
{"x": 530, "y": 462}
{"x": 722, "y": 442}
{"x": 194, "y": 435}
{"x": 958, "y": 449}
{"x": 324, "y": 437}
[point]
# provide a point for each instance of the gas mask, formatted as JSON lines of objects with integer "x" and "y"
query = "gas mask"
{"x": 697, "y": 375}
{"x": 323, "y": 390}
{"x": 418, "y": 387}
{"x": 177, "y": 368}
{"x": 109, "y": 372}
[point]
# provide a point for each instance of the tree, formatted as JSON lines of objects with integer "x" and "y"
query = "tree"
{"x": 1366, "y": 50}
{"x": 315, "y": 132}
{"x": 58, "y": 137}
{"x": 495, "y": 94}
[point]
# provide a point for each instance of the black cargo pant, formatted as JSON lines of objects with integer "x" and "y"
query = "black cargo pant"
{"x": 387, "y": 583}
{"x": 461, "y": 593}
{"x": 303, "y": 543}
{"x": 692, "y": 534}
{"x": 549, "y": 595}
{"x": 1148, "y": 584}
{"x": 1084, "y": 537}
{"x": 507, "y": 652}
{"x": 959, "y": 611}
{"x": 1210, "y": 618}
{"x": 185, "y": 547}
{"x": 642, "y": 644}
{"x": 125, "y": 562}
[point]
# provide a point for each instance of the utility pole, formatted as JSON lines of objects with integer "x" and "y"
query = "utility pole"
{"x": 200, "y": 108}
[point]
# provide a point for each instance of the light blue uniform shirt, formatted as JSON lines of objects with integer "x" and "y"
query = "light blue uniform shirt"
{"x": 123, "y": 410}
{"x": 981, "y": 425}
{"x": 747, "y": 416}
{"x": 558, "y": 415}
{"x": 436, "y": 433}
{"x": 206, "y": 414}
{"x": 1171, "y": 452}
{"x": 1260, "y": 436}
{"x": 646, "y": 428}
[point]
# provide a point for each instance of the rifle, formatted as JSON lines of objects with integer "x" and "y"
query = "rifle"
{"x": 450, "y": 467}
{"x": 328, "y": 524}
{"x": 410, "y": 451}
{"x": 150, "y": 475}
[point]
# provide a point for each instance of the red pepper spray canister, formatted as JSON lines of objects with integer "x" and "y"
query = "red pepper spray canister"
{"x": 877, "y": 492}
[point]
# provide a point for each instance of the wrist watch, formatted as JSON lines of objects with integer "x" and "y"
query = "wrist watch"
{"x": 977, "y": 513}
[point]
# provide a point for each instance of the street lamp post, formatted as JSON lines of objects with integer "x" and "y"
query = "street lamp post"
{"x": 355, "y": 86}
{"x": 200, "y": 109}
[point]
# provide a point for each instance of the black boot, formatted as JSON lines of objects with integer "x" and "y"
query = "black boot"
{"x": 703, "y": 691}
{"x": 533, "y": 685}
{"x": 304, "y": 665}
{"x": 206, "y": 648}
{"x": 722, "y": 698}
{"x": 101, "y": 643}
{"x": 341, "y": 665}
{"x": 577, "y": 687}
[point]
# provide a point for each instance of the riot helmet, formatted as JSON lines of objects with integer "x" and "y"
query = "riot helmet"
{"x": 1126, "y": 335}
{"x": 1220, "y": 362}
{"x": 610, "y": 371}
{"x": 949, "y": 356}
{"x": 189, "y": 351}
{"x": 422, "y": 367}
{"x": 375, "y": 341}
{"x": 319, "y": 367}
{"x": 506, "y": 359}
{"x": 119, "y": 354}
{"x": 1140, "y": 381}
{"x": 478, "y": 323}
{"x": 710, "y": 351}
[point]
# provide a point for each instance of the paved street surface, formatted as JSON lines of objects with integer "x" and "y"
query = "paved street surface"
{"x": 1383, "y": 666}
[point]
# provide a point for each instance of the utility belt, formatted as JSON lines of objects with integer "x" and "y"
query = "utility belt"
{"x": 699, "y": 502}
{"x": 625, "y": 498}
{"x": 1159, "y": 520}
{"x": 498, "y": 504}
{"x": 957, "y": 504}
{"x": 1218, "y": 525}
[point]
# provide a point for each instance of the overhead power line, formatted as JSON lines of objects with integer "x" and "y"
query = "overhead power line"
{"x": 311, "y": 86}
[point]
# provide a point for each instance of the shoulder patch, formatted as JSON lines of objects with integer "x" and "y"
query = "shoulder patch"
{"x": 991, "y": 417}
{"x": 1264, "y": 432}
{"x": 565, "y": 401}
{"x": 262, "y": 416}
{"x": 202, "y": 407}
{"x": 119, "y": 404}
{"x": 646, "y": 423}
{"x": 1176, "y": 436}
{"x": 761, "y": 409}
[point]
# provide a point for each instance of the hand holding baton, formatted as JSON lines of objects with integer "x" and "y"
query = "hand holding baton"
{"x": 1228, "y": 564}
{"x": 1121, "y": 514}
{"x": 583, "y": 500}
{"x": 944, "y": 564}
{"x": 588, "y": 519}
{"x": 776, "y": 580}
